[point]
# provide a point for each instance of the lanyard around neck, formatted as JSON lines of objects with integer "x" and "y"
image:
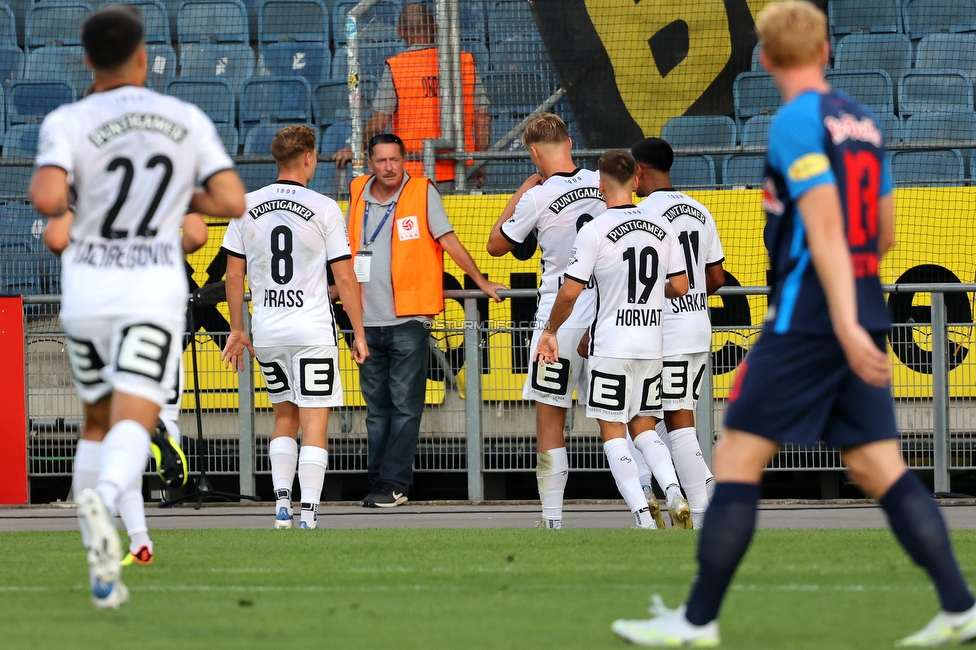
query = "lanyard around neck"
{"x": 383, "y": 221}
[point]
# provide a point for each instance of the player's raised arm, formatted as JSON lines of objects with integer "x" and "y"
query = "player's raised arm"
{"x": 194, "y": 232}
{"x": 500, "y": 243}
{"x": 222, "y": 196}
{"x": 348, "y": 289}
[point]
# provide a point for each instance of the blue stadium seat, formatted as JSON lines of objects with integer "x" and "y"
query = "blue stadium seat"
{"x": 510, "y": 18}
{"x": 336, "y": 137}
{"x": 55, "y": 23}
{"x": 925, "y": 16}
{"x": 516, "y": 92}
{"x": 379, "y": 19}
{"x": 60, "y": 62}
{"x": 231, "y": 62}
{"x": 938, "y": 52}
{"x": 30, "y": 101}
{"x": 373, "y": 56}
{"x": 161, "y": 64}
{"x": 689, "y": 172}
{"x": 871, "y": 88}
{"x": 889, "y": 52}
{"x": 8, "y": 26}
{"x": 756, "y": 66}
{"x": 743, "y": 170}
{"x": 214, "y": 21}
{"x": 258, "y": 140}
{"x": 377, "y": 32}
{"x": 755, "y": 131}
{"x": 228, "y": 135}
{"x": 754, "y": 93}
{"x": 20, "y": 249}
{"x": 158, "y": 17}
{"x": 507, "y": 175}
{"x": 479, "y": 51}
{"x": 20, "y": 141}
{"x": 214, "y": 97}
{"x": 934, "y": 91}
{"x": 275, "y": 99}
{"x": 326, "y": 180}
{"x": 20, "y": 9}
{"x": 257, "y": 175}
{"x": 3, "y": 112}
{"x": 302, "y": 21}
{"x": 472, "y": 17}
{"x": 941, "y": 127}
{"x": 312, "y": 61}
{"x": 330, "y": 102}
{"x": 892, "y": 127}
{"x": 943, "y": 167}
{"x": 340, "y": 73}
{"x": 850, "y": 16}
{"x": 15, "y": 181}
{"x": 11, "y": 64}
{"x": 520, "y": 53}
{"x": 700, "y": 132}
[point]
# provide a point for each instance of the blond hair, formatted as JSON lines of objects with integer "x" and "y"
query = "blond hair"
{"x": 292, "y": 141}
{"x": 792, "y": 33}
{"x": 546, "y": 128}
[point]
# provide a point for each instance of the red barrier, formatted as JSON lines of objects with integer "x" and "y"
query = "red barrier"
{"x": 13, "y": 416}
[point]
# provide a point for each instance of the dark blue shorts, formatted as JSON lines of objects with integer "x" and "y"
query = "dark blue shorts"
{"x": 798, "y": 388}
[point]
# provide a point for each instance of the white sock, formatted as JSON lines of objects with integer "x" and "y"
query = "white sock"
{"x": 132, "y": 510}
{"x": 662, "y": 432}
{"x": 283, "y": 452}
{"x": 173, "y": 429}
{"x": 125, "y": 452}
{"x": 85, "y": 475}
{"x": 551, "y": 474}
{"x": 312, "y": 463}
{"x": 659, "y": 460}
{"x": 625, "y": 473}
{"x": 692, "y": 471}
{"x": 709, "y": 486}
{"x": 643, "y": 471}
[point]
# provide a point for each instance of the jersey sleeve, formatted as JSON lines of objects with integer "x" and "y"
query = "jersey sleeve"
{"x": 676, "y": 256}
{"x": 55, "y": 143}
{"x": 336, "y": 239}
{"x": 887, "y": 182}
{"x": 715, "y": 253}
{"x": 796, "y": 147}
{"x": 211, "y": 157}
{"x": 582, "y": 260}
{"x": 437, "y": 222}
{"x": 233, "y": 243}
{"x": 523, "y": 221}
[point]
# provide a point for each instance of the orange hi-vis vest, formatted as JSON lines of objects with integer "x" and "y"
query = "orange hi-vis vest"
{"x": 418, "y": 114}
{"x": 417, "y": 260}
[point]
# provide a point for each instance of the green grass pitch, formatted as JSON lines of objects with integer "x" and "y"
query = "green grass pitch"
{"x": 400, "y": 589}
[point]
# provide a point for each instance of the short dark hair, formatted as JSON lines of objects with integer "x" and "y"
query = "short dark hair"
{"x": 617, "y": 164}
{"x": 112, "y": 35}
{"x": 654, "y": 153}
{"x": 385, "y": 138}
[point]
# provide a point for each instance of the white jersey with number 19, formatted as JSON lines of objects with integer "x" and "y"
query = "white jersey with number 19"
{"x": 134, "y": 157}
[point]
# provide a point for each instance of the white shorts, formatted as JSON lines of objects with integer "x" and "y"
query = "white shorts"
{"x": 553, "y": 384}
{"x": 304, "y": 375}
{"x": 681, "y": 379}
{"x": 136, "y": 355}
{"x": 622, "y": 389}
{"x": 171, "y": 409}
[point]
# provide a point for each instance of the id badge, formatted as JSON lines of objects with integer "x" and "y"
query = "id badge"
{"x": 361, "y": 265}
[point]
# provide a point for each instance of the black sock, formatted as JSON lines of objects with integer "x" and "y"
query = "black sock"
{"x": 725, "y": 536}
{"x": 916, "y": 521}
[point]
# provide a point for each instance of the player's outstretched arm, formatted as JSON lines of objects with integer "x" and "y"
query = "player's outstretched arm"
{"x": 714, "y": 278}
{"x": 462, "y": 258}
{"x": 194, "y": 232}
{"x": 497, "y": 244}
{"x": 238, "y": 341}
{"x": 886, "y": 224}
{"x": 677, "y": 285}
{"x": 348, "y": 287}
{"x": 548, "y": 350}
{"x": 57, "y": 233}
{"x": 49, "y": 191}
{"x": 820, "y": 210}
{"x": 222, "y": 196}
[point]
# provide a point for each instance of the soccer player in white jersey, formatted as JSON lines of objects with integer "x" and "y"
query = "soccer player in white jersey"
{"x": 550, "y": 208}
{"x": 634, "y": 264}
{"x": 285, "y": 241}
{"x": 687, "y": 327}
{"x": 133, "y": 158}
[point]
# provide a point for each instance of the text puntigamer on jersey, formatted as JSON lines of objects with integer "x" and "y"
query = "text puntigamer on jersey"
{"x": 636, "y": 224}
{"x": 684, "y": 210}
{"x": 281, "y": 204}
{"x": 573, "y": 196}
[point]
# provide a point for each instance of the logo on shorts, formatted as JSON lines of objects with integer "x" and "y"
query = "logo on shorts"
{"x": 552, "y": 378}
{"x": 607, "y": 391}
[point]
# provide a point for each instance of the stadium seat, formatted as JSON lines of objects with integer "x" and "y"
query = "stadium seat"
{"x": 871, "y": 88}
{"x": 214, "y": 21}
{"x": 938, "y": 52}
{"x": 214, "y": 97}
{"x": 15, "y": 181}
{"x": 520, "y": 53}
{"x": 934, "y": 91}
{"x": 850, "y": 16}
{"x": 373, "y": 56}
{"x": 330, "y": 102}
{"x": 941, "y": 127}
{"x": 693, "y": 172}
{"x": 161, "y": 64}
{"x": 756, "y": 66}
{"x": 20, "y": 249}
{"x": 228, "y": 135}
{"x": 258, "y": 140}
{"x": 700, "y": 132}
{"x": 479, "y": 51}
{"x": 892, "y": 127}
{"x": 20, "y": 141}
{"x": 743, "y": 170}
{"x": 889, "y": 52}
{"x": 60, "y": 62}
{"x": 472, "y": 17}
{"x": 925, "y": 16}
{"x": 943, "y": 167}
{"x": 3, "y": 112}
{"x": 8, "y": 26}
{"x": 275, "y": 99}
{"x": 30, "y": 101}
{"x": 755, "y": 131}
{"x": 509, "y": 19}
{"x": 55, "y": 23}
{"x": 257, "y": 175}
{"x": 754, "y": 93}
{"x": 11, "y": 63}
{"x": 381, "y": 17}
{"x": 516, "y": 92}
{"x": 232, "y": 62}
{"x": 377, "y": 32}
{"x": 312, "y": 61}
{"x": 156, "y": 18}
{"x": 301, "y": 21}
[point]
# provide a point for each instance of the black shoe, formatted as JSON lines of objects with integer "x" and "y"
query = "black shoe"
{"x": 170, "y": 461}
{"x": 388, "y": 497}
{"x": 367, "y": 501}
